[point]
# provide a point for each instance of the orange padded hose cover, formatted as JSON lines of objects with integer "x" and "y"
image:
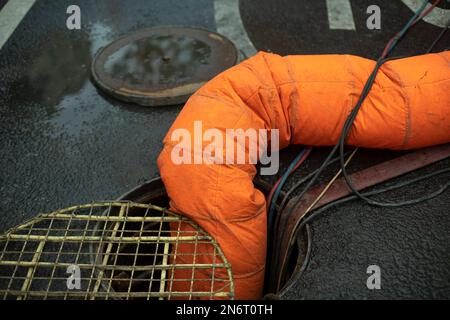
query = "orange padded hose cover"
{"x": 307, "y": 98}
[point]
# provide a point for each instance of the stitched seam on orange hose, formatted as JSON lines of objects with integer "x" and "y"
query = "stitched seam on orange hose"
{"x": 274, "y": 93}
{"x": 407, "y": 107}
{"x": 221, "y": 100}
{"x": 294, "y": 110}
{"x": 235, "y": 220}
{"x": 245, "y": 109}
{"x": 215, "y": 201}
{"x": 443, "y": 55}
{"x": 352, "y": 94}
{"x": 269, "y": 111}
{"x": 422, "y": 84}
{"x": 256, "y": 72}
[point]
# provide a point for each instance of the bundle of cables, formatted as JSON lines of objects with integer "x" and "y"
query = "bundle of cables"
{"x": 273, "y": 216}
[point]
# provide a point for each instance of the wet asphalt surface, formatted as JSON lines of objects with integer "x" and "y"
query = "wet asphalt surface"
{"x": 301, "y": 27}
{"x": 63, "y": 143}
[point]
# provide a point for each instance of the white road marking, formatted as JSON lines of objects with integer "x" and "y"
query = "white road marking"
{"x": 438, "y": 17}
{"x": 340, "y": 15}
{"x": 229, "y": 23}
{"x": 10, "y": 17}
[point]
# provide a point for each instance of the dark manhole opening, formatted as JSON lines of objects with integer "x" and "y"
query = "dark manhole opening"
{"x": 154, "y": 192}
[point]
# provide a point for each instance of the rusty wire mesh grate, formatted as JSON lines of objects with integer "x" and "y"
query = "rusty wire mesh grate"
{"x": 117, "y": 250}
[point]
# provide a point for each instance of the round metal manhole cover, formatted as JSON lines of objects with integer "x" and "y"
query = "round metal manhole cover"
{"x": 161, "y": 66}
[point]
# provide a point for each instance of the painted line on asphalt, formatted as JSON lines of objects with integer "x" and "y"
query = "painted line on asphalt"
{"x": 438, "y": 17}
{"x": 340, "y": 15}
{"x": 229, "y": 23}
{"x": 10, "y": 17}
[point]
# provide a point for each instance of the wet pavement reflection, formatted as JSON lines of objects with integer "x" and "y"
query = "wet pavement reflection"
{"x": 158, "y": 60}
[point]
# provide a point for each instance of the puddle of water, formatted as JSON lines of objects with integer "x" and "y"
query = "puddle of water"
{"x": 57, "y": 83}
{"x": 59, "y": 69}
{"x": 78, "y": 113}
{"x": 100, "y": 35}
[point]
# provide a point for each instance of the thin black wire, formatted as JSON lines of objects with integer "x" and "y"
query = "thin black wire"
{"x": 348, "y": 125}
{"x": 439, "y": 37}
{"x": 349, "y": 120}
{"x": 345, "y": 132}
{"x": 302, "y": 181}
{"x": 293, "y": 189}
{"x": 314, "y": 214}
{"x": 340, "y": 145}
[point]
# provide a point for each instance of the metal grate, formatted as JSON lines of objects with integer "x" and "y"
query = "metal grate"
{"x": 117, "y": 250}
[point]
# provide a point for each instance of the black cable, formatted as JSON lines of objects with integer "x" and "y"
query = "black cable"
{"x": 344, "y": 135}
{"x": 439, "y": 37}
{"x": 346, "y": 129}
{"x": 349, "y": 120}
{"x": 243, "y": 55}
{"x": 345, "y": 132}
{"x": 293, "y": 189}
{"x": 417, "y": 17}
{"x": 306, "y": 261}
{"x": 302, "y": 181}
{"x": 347, "y": 126}
{"x": 314, "y": 214}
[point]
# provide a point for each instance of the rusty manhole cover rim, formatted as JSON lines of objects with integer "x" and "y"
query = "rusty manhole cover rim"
{"x": 223, "y": 55}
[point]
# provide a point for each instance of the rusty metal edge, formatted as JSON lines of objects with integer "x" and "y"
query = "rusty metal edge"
{"x": 362, "y": 179}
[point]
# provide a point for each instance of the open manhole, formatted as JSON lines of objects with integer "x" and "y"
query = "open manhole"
{"x": 129, "y": 249}
{"x": 161, "y": 66}
{"x": 154, "y": 192}
{"x": 119, "y": 250}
